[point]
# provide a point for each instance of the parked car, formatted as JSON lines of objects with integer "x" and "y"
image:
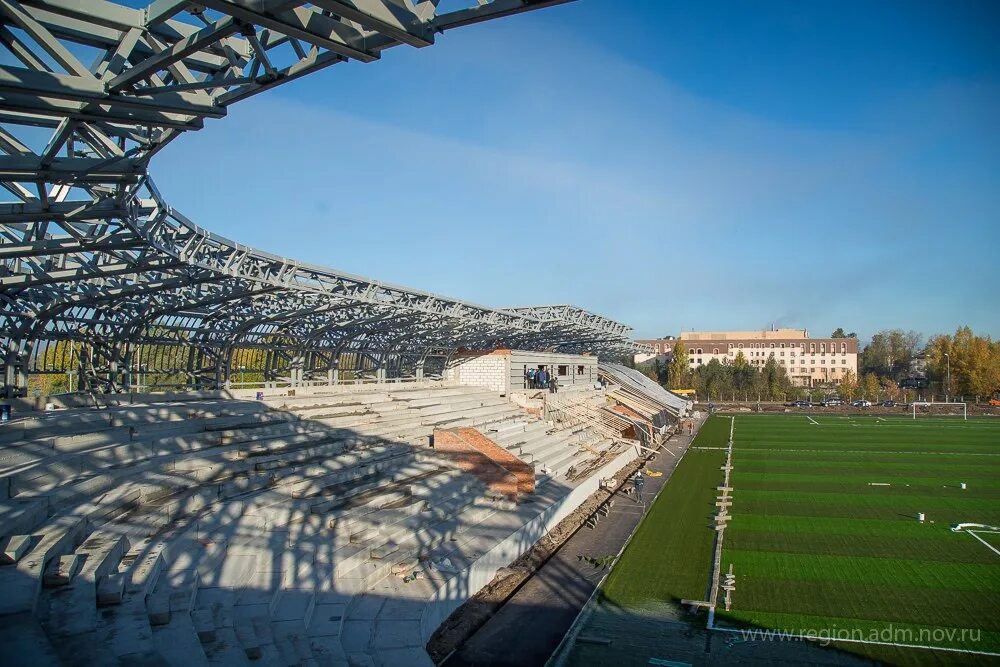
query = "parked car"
{"x": 995, "y": 403}
{"x": 861, "y": 404}
{"x": 799, "y": 404}
{"x": 888, "y": 404}
{"x": 831, "y": 403}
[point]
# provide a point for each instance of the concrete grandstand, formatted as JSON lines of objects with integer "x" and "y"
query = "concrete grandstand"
{"x": 261, "y": 461}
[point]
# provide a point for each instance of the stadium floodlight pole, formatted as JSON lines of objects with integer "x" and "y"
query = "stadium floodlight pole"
{"x": 947, "y": 391}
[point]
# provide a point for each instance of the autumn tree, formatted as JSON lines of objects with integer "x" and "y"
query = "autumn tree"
{"x": 849, "y": 385}
{"x": 890, "y": 352}
{"x": 714, "y": 379}
{"x": 974, "y": 363}
{"x": 870, "y": 386}
{"x": 743, "y": 373}
{"x": 839, "y": 333}
{"x": 774, "y": 379}
{"x": 678, "y": 373}
{"x": 889, "y": 388}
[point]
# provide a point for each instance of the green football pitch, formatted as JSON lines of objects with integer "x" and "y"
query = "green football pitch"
{"x": 824, "y": 539}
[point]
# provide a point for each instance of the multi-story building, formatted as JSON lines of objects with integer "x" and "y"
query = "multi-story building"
{"x": 663, "y": 349}
{"x": 808, "y": 361}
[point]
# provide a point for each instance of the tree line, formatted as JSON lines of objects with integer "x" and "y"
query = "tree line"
{"x": 883, "y": 363}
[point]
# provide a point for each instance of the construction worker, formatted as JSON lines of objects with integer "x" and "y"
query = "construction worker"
{"x": 637, "y": 481}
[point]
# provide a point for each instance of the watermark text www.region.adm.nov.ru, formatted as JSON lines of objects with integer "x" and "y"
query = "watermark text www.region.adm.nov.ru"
{"x": 888, "y": 635}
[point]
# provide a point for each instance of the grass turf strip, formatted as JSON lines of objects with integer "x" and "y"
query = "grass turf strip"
{"x": 806, "y": 528}
{"x": 872, "y": 629}
{"x": 861, "y": 480}
{"x": 808, "y": 541}
{"x": 960, "y": 548}
{"x": 666, "y": 558}
{"x": 892, "y": 466}
{"x": 864, "y": 570}
{"x": 936, "y": 607}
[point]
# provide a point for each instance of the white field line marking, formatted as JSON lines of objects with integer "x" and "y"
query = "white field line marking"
{"x": 988, "y": 545}
{"x": 700, "y": 447}
{"x": 812, "y": 420}
{"x": 858, "y": 641}
{"x": 713, "y": 596}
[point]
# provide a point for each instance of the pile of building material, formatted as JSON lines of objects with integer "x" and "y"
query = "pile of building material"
{"x": 634, "y": 389}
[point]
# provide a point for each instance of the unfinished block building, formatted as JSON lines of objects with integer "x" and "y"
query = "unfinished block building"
{"x": 243, "y": 469}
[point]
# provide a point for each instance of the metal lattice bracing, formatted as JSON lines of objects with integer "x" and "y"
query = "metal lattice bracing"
{"x": 100, "y": 276}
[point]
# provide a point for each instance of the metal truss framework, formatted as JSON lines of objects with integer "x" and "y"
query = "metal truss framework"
{"x": 101, "y": 277}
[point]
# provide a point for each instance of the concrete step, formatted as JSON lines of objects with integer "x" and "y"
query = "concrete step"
{"x": 22, "y": 516}
{"x": 394, "y": 528}
{"x": 446, "y": 397}
{"x": 333, "y": 477}
{"x": 190, "y": 560}
{"x": 21, "y": 583}
{"x": 557, "y": 466}
{"x": 544, "y": 449}
{"x": 74, "y": 610}
{"x": 339, "y": 500}
{"x": 177, "y": 642}
{"x": 463, "y": 405}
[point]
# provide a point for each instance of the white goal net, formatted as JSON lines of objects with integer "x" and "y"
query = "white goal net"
{"x": 931, "y": 409}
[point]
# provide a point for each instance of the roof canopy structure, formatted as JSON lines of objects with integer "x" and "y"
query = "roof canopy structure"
{"x": 100, "y": 276}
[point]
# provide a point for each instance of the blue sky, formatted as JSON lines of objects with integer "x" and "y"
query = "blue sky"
{"x": 709, "y": 165}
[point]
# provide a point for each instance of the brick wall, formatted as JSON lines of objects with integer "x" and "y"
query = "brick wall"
{"x": 480, "y": 370}
{"x": 474, "y": 453}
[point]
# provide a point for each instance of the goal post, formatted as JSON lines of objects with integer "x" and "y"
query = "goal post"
{"x": 941, "y": 409}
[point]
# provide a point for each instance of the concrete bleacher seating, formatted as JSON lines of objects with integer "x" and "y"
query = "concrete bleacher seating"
{"x": 311, "y": 529}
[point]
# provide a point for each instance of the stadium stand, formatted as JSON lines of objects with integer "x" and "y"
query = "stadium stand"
{"x": 320, "y": 528}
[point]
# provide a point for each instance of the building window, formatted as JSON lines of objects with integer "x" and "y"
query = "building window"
{"x": 563, "y": 371}
{"x": 715, "y": 350}
{"x": 730, "y": 346}
{"x": 843, "y": 348}
{"x": 699, "y": 352}
{"x": 579, "y": 370}
{"x": 782, "y": 353}
{"x": 691, "y": 351}
{"x": 812, "y": 347}
{"x": 772, "y": 346}
{"x": 741, "y": 346}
